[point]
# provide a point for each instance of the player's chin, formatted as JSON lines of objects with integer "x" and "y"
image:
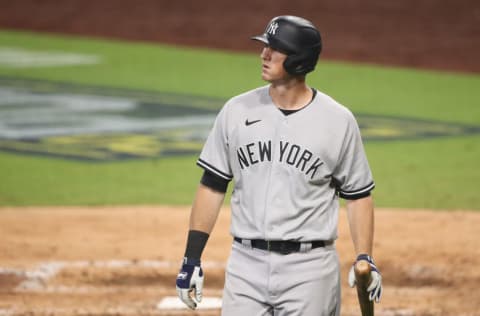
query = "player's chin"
{"x": 267, "y": 76}
{"x": 264, "y": 72}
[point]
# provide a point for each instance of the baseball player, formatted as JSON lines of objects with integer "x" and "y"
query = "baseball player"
{"x": 292, "y": 151}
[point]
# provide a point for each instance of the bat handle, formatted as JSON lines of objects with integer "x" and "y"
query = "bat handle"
{"x": 362, "y": 274}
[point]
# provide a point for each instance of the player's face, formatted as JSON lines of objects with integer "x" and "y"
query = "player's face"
{"x": 272, "y": 64}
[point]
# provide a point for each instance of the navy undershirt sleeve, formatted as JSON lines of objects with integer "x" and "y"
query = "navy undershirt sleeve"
{"x": 214, "y": 182}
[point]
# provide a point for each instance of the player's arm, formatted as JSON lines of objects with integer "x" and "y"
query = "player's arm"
{"x": 360, "y": 213}
{"x": 354, "y": 182}
{"x": 206, "y": 206}
{"x": 205, "y": 209}
{"x": 361, "y": 220}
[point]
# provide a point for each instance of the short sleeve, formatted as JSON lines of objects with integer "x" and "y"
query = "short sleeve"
{"x": 352, "y": 175}
{"x": 214, "y": 156}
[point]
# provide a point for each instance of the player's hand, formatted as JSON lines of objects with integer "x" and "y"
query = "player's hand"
{"x": 375, "y": 287}
{"x": 190, "y": 278}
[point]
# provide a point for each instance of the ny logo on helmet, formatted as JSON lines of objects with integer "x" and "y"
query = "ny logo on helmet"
{"x": 272, "y": 28}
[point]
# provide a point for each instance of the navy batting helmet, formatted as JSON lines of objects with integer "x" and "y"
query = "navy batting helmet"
{"x": 296, "y": 37}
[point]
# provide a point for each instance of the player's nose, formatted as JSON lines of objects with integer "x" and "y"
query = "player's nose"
{"x": 266, "y": 53}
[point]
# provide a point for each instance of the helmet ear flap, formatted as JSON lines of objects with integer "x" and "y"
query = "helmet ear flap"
{"x": 300, "y": 63}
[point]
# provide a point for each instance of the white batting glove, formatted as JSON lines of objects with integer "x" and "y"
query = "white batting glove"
{"x": 190, "y": 278}
{"x": 375, "y": 287}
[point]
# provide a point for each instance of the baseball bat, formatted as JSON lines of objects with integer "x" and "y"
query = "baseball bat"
{"x": 362, "y": 275}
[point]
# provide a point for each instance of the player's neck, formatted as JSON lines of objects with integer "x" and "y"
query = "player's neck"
{"x": 291, "y": 94}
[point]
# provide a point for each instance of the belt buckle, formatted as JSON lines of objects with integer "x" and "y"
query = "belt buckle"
{"x": 284, "y": 249}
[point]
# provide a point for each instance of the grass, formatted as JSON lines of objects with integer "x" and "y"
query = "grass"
{"x": 405, "y": 174}
{"x": 363, "y": 88}
{"x": 402, "y": 92}
{"x": 439, "y": 173}
{"x": 30, "y": 180}
{"x": 139, "y": 65}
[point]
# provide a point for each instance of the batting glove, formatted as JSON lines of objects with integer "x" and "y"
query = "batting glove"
{"x": 190, "y": 278}
{"x": 375, "y": 287}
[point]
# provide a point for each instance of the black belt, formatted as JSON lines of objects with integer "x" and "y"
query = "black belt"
{"x": 282, "y": 246}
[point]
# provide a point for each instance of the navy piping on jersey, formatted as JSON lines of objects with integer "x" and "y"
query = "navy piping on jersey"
{"x": 357, "y": 194}
{"x": 205, "y": 165}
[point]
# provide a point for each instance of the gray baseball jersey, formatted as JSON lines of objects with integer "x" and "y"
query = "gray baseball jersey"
{"x": 288, "y": 170}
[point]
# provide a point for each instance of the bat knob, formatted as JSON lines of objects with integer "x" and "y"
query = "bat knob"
{"x": 362, "y": 267}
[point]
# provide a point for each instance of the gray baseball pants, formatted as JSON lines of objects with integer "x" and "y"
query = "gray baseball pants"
{"x": 263, "y": 283}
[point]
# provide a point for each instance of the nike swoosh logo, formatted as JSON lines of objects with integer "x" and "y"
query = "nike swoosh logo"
{"x": 248, "y": 123}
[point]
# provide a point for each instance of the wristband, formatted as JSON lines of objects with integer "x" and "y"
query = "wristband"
{"x": 195, "y": 244}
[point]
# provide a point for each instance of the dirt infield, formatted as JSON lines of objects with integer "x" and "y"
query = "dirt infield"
{"x": 123, "y": 261}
